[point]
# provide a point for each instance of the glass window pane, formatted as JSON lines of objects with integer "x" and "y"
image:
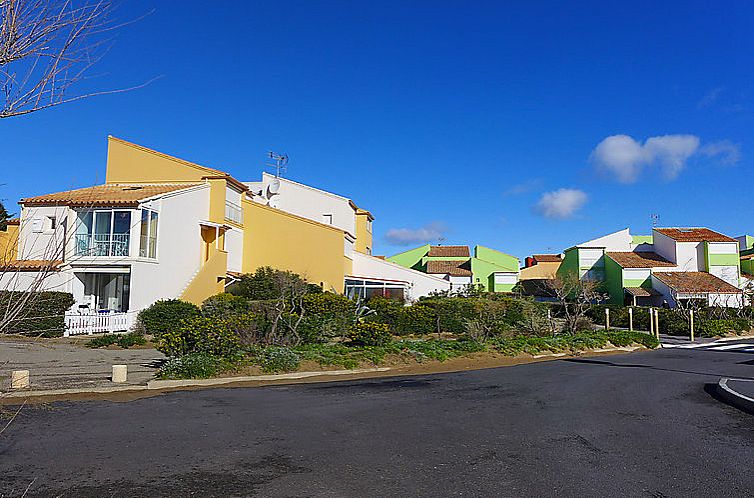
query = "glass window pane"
{"x": 144, "y": 242}
{"x": 121, "y": 233}
{"x": 153, "y": 235}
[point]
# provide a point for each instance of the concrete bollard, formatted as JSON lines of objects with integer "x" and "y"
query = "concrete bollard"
{"x": 691, "y": 324}
{"x": 120, "y": 373}
{"x": 631, "y": 319}
{"x": 607, "y": 318}
{"x": 19, "y": 379}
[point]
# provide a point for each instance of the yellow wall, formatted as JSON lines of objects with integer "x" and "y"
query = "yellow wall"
{"x": 288, "y": 242}
{"x": 543, "y": 270}
{"x": 209, "y": 281}
{"x": 363, "y": 236}
{"x": 9, "y": 244}
{"x": 131, "y": 163}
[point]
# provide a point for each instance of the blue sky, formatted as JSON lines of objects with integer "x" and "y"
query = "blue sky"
{"x": 526, "y": 128}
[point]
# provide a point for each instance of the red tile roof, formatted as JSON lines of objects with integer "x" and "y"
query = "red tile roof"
{"x": 449, "y": 251}
{"x": 105, "y": 195}
{"x": 31, "y": 265}
{"x": 639, "y": 259}
{"x": 547, "y": 258}
{"x": 696, "y": 282}
{"x": 452, "y": 268}
{"x": 694, "y": 235}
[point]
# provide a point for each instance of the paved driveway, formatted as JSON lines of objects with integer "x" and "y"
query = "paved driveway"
{"x": 58, "y": 363}
{"x": 637, "y": 425}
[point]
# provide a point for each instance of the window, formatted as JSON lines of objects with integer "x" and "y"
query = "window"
{"x": 36, "y": 225}
{"x": 369, "y": 251}
{"x": 327, "y": 219}
{"x": 369, "y": 226}
{"x": 103, "y": 233}
{"x": 52, "y": 222}
{"x": 148, "y": 247}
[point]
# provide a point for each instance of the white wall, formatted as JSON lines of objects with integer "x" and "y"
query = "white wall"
{"x": 178, "y": 248}
{"x": 727, "y": 300}
{"x": 459, "y": 283}
{"x": 23, "y": 281}
{"x": 727, "y": 273}
{"x": 723, "y": 247}
{"x": 664, "y": 246}
{"x": 234, "y": 247}
{"x": 506, "y": 278}
{"x": 690, "y": 256}
{"x": 311, "y": 203}
{"x": 420, "y": 284}
{"x": 618, "y": 241}
{"x": 663, "y": 289}
{"x": 36, "y": 240}
{"x": 636, "y": 273}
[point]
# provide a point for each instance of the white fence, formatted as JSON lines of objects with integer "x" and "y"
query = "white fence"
{"x": 98, "y": 323}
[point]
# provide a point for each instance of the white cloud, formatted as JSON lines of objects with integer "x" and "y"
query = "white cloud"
{"x": 727, "y": 151}
{"x": 407, "y": 236}
{"x": 624, "y": 158}
{"x": 560, "y": 204}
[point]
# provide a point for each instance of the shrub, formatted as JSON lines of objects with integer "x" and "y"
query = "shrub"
{"x": 199, "y": 334}
{"x": 43, "y": 314}
{"x": 385, "y": 310}
{"x": 166, "y": 316}
{"x": 193, "y": 366}
{"x": 267, "y": 283}
{"x": 416, "y": 319}
{"x": 122, "y": 340}
{"x": 711, "y": 328}
{"x": 279, "y": 359}
{"x": 249, "y": 328}
{"x": 317, "y": 329}
{"x": 370, "y": 334}
{"x": 328, "y": 304}
{"x": 223, "y": 305}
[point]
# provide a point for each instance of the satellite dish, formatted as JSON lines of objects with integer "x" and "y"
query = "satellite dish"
{"x": 274, "y": 203}
{"x": 274, "y": 186}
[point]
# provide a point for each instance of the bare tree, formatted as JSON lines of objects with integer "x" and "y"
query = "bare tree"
{"x": 575, "y": 297}
{"x": 47, "y": 48}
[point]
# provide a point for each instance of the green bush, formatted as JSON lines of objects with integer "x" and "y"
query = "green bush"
{"x": 43, "y": 313}
{"x": 328, "y": 304}
{"x": 200, "y": 334}
{"x": 440, "y": 350}
{"x": 712, "y": 328}
{"x": 194, "y": 366}
{"x": 417, "y": 319}
{"x": 166, "y": 316}
{"x": 224, "y": 304}
{"x": 124, "y": 341}
{"x": 279, "y": 359}
{"x": 370, "y": 334}
{"x": 318, "y": 329}
{"x": 267, "y": 283}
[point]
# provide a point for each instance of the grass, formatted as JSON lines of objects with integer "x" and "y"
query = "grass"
{"x": 123, "y": 340}
{"x": 276, "y": 359}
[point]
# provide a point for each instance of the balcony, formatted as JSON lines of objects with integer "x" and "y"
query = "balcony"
{"x": 103, "y": 245}
{"x": 233, "y": 212}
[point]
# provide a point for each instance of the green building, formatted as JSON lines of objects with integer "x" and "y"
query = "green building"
{"x": 489, "y": 269}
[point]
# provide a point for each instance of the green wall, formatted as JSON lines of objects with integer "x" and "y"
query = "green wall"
{"x": 614, "y": 281}
{"x": 411, "y": 258}
{"x": 498, "y": 258}
{"x": 570, "y": 262}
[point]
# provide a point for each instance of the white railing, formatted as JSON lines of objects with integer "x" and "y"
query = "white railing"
{"x": 102, "y": 244}
{"x": 98, "y": 323}
{"x": 233, "y": 212}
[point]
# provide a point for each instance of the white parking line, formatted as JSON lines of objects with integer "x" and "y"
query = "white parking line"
{"x": 731, "y": 346}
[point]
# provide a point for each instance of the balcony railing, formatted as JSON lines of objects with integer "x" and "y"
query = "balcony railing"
{"x": 233, "y": 212}
{"x": 115, "y": 245}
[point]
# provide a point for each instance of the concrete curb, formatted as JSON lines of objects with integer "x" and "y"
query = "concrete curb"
{"x": 163, "y": 384}
{"x": 733, "y": 397}
{"x": 168, "y": 384}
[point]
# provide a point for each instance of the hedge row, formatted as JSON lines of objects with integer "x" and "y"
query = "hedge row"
{"x": 43, "y": 313}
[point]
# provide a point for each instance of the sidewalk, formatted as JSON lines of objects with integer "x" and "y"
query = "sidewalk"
{"x": 64, "y": 363}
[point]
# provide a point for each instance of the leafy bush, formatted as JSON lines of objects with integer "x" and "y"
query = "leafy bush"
{"x": 122, "y": 340}
{"x": 279, "y": 359}
{"x": 193, "y": 366}
{"x": 43, "y": 314}
{"x": 440, "y": 350}
{"x": 199, "y": 334}
{"x": 328, "y": 304}
{"x": 267, "y": 283}
{"x": 317, "y": 329}
{"x": 712, "y": 328}
{"x": 417, "y": 319}
{"x": 224, "y": 304}
{"x": 370, "y": 334}
{"x": 166, "y": 316}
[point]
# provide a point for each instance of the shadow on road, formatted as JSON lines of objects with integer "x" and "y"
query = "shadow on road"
{"x": 605, "y": 363}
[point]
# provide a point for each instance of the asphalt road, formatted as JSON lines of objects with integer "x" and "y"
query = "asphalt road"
{"x": 630, "y": 425}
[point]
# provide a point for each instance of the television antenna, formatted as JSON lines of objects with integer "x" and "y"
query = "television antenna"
{"x": 279, "y": 162}
{"x": 655, "y": 219}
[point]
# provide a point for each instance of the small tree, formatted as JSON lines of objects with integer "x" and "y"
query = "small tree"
{"x": 4, "y": 217}
{"x": 575, "y": 297}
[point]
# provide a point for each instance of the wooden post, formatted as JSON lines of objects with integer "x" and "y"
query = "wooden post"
{"x": 691, "y": 324}
{"x": 631, "y": 319}
{"x": 657, "y": 324}
{"x": 607, "y": 318}
{"x": 651, "y": 321}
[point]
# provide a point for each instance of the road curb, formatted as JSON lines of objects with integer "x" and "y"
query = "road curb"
{"x": 166, "y": 384}
{"x": 733, "y": 397}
